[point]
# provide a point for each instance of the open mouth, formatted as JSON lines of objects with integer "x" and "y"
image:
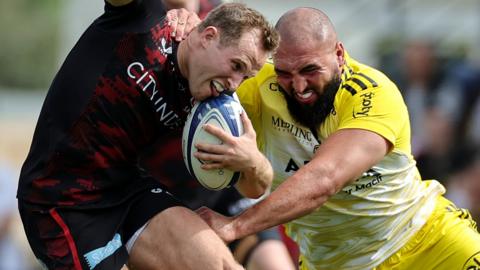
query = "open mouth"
{"x": 217, "y": 86}
{"x": 305, "y": 97}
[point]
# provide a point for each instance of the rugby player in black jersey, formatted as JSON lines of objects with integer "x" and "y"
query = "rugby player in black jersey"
{"x": 84, "y": 201}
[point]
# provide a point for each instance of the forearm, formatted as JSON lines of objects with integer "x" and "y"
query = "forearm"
{"x": 298, "y": 196}
{"x": 311, "y": 186}
{"x": 255, "y": 181}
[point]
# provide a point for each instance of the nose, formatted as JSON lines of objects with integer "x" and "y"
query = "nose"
{"x": 299, "y": 83}
{"x": 235, "y": 81}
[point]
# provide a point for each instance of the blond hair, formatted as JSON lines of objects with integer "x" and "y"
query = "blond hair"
{"x": 235, "y": 19}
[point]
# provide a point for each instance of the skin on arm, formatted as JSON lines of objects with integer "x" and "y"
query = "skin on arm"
{"x": 341, "y": 159}
{"x": 238, "y": 154}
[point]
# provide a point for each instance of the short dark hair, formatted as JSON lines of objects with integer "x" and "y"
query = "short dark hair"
{"x": 234, "y": 19}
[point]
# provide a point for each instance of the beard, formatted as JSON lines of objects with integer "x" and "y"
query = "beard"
{"x": 312, "y": 115}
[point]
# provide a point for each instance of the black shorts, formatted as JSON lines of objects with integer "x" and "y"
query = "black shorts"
{"x": 66, "y": 238}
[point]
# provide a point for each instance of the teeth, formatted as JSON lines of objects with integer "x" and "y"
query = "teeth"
{"x": 305, "y": 95}
{"x": 218, "y": 86}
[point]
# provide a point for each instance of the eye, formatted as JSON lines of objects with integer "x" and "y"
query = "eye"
{"x": 309, "y": 69}
{"x": 283, "y": 75}
{"x": 237, "y": 67}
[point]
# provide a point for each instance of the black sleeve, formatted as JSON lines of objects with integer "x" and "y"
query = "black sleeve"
{"x": 134, "y": 17}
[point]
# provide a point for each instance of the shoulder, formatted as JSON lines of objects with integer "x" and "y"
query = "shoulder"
{"x": 359, "y": 79}
{"x": 266, "y": 72}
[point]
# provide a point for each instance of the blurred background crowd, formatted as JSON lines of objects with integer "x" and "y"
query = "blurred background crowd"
{"x": 430, "y": 48}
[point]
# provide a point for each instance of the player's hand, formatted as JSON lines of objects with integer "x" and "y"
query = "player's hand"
{"x": 220, "y": 224}
{"x": 236, "y": 153}
{"x": 182, "y": 22}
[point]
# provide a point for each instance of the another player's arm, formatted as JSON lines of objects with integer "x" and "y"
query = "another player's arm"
{"x": 341, "y": 159}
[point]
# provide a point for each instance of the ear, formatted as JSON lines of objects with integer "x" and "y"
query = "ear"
{"x": 208, "y": 35}
{"x": 340, "y": 54}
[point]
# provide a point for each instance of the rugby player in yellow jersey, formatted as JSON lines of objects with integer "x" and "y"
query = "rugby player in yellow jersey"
{"x": 338, "y": 136}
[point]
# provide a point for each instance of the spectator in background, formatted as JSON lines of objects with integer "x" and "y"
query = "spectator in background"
{"x": 434, "y": 100}
{"x": 422, "y": 77}
{"x": 464, "y": 186}
{"x": 11, "y": 257}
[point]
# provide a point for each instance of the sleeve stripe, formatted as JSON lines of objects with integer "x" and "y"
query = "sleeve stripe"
{"x": 349, "y": 89}
{"x": 359, "y": 82}
{"x": 374, "y": 83}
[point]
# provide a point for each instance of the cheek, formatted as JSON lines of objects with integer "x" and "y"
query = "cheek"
{"x": 323, "y": 78}
{"x": 284, "y": 82}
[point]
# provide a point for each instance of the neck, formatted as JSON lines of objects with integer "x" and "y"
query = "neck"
{"x": 182, "y": 56}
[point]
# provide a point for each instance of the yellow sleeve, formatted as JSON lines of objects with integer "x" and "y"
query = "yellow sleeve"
{"x": 379, "y": 109}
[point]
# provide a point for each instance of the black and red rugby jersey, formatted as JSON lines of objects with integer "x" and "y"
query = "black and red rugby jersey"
{"x": 118, "y": 91}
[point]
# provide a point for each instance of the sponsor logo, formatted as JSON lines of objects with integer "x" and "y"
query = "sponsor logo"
{"x": 293, "y": 166}
{"x": 156, "y": 190}
{"x": 377, "y": 179}
{"x": 96, "y": 256}
{"x": 273, "y": 86}
{"x": 164, "y": 49}
{"x": 146, "y": 80}
{"x": 473, "y": 263}
{"x": 284, "y": 126}
{"x": 366, "y": 105}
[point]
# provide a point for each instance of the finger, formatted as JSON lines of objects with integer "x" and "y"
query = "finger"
{"x": 172, "y": 19}
{"x": 212, "y": 166}
{"x": 172, "y": 15}
{"x": 186, "y": 31}
{"x": 217, "y": 149}
{"x": 192, "y": 22}
{"x": 183, "y": 15}
{"x": 208, "y": 157}
{"x": 219, "y": 133}
{"x": 247, "y": 124}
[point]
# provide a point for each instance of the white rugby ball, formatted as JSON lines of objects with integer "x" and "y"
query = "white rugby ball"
{"x": 224, "y": 112}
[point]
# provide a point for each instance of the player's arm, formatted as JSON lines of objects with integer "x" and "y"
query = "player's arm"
{"x": 257, "y": 174}
{"x": 238, "y": 154}
{"x": 341, "y": 159}
{"x": 181, "y": 20}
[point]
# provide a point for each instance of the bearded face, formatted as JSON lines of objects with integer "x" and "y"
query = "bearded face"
{"x": 312, "y": 115}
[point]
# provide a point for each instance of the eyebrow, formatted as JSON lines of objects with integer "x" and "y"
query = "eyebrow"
{"x": 306, "y": 68}
{"x": 255, "y": 65}
{"x": 310, "y": 67}
{"x": 277, "y": 70}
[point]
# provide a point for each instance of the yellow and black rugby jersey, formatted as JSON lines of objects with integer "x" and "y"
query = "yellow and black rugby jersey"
{"x": 375, "y": 215}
